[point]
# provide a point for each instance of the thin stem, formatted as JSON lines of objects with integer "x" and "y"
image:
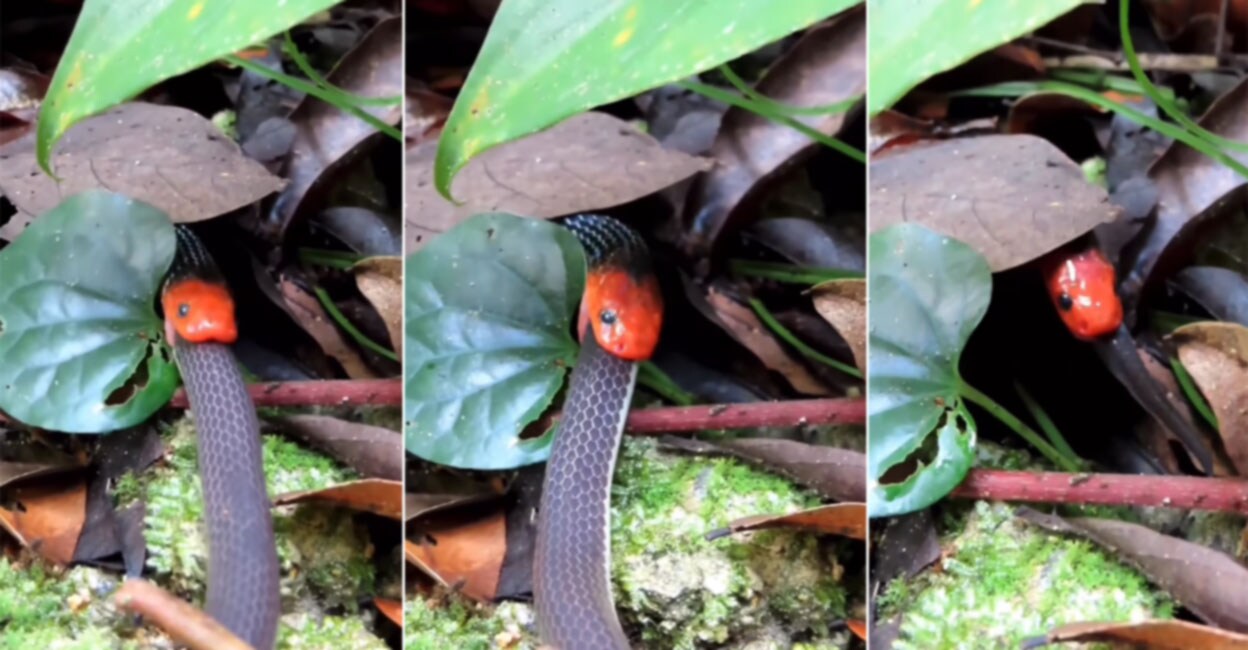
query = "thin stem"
{"x": 789, "y": 273}
{"x": 1133, "y": 61}
{"x": 1046, "y": 423}
{"x": 301, "y": 61}
{"x": 788, "y": 109}
{"x": 1014, "y": 89}
{"x": 350, "y": 328}
{"x": 1193, "y": 393}
{"x": 805, "y": 350}
{"x": 333, "y": 259}
{"x": 650, "y": 376}
{"x": 317, "y": 92}
{"x": 973, "y": 395}
{"x": 754, "y": 107}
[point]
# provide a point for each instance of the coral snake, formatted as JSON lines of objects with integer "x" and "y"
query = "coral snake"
{"x": 243, "y": 591}
{"x": 620, "y": 317}
{"x": 1083, "y": 287}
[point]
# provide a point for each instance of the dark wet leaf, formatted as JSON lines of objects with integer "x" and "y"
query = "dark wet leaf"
{"x": 1222, "y": 292}
{"x": 327, "y": 138}
{"x": 488, "y": 307}
{"x": 832, "y": 472}
{"x": 1211, "y": 584}
{"x": 811, "y": 243}
{"x": 826, "y": 66}
{"x": 304, "y": 308}
{"x": 1216, "y": 356}
{"x": 364, "y": 231}
{"x": 1146, "y": 635}
{"x": 508, "y": 96}
{"x": 1012, "y": 198}
{"x": 903, "y": 54}
{"x": 130, "y": 450}
{"x": 122, "y": 47}
{"x": 168, "y": 157}
{"x": 79, "y": 333}
{"x": 371, "y": 451}
{"x": 908, "y": 545}
{"x": 846, "y": 519}
{"x": 928, "y": 294}
{"x": 13, "y": 472}
{"x": 1190, "y": 186}
{"x": 378, "y": 496}
{"x": 589, "y": 162}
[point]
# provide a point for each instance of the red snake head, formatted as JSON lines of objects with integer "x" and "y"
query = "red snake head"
{"x": 200, "y": 311}
{"x": 1084, "y": 290}
{"x": 625, "y": 311}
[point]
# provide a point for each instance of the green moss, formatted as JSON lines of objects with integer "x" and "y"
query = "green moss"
{"x": 1003, "y": 581}
{"x": 128, "y": 489}
{"x": 683, "y": 591}
{"x": 327, "y": 543}
{"x": 309, "y": 632}
{"x": 451, "y": 622}
{"x": 47, "y": 608}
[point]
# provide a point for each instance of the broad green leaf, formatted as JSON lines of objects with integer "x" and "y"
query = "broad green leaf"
{"x": 546, "y": 60}
{"x": 120, "y": 48}
{"x": 78, "y": 319}
{"x": 928, "y": 293}
{"x": 487, "y": 338}
{"x": 910, "y": 41}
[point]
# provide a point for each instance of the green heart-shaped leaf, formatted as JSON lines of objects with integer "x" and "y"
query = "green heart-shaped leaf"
{"x": 547, "y": 60}
{"x": 487, "y": 338}
{"x": 928, "y": 293}
{"x": 79, "y": 336}
{"x": 120, "y": 48}
{"x": 904, "y": 54}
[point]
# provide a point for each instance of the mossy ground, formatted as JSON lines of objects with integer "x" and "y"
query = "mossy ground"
{"x": 674, "y": 589}
{"x": 325, "y": 557}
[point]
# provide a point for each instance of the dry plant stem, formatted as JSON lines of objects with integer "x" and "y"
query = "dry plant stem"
{"x": 179, "y": 619}
{"x": 335, "y": 392}
{"x": 1185, "y": 492}
{"x": 844, "y": 410}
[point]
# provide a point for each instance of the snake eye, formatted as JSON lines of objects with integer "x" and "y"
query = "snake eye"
{"x": 607, "y": 317}
{"x": 1065, "y": 302}
{"x": 184, "y": 310}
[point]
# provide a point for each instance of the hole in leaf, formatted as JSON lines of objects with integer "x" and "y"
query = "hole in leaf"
{"x": 925, "y": 454}
{"x": 135, "y": 383}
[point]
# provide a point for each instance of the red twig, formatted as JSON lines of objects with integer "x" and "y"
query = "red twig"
{"x": 751, "y": 414}
{"x": 1188, "y": 492}
{"x": 336, "y": 392}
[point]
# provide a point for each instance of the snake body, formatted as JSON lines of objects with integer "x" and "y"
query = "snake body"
{"x": 243, "y": 590}
{"x": 621, "y": 314}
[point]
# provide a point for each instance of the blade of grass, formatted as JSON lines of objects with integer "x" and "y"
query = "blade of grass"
{"x": 312, "y": 89}
{"x": 1193, "y": 393}
{"x": 350, "y": 328}
{"x": 295, "y": 55}
{"x": 1017, "y": 88}
{"x": 788, "y": 109}
{"x": 732, "y": 99}
{"x": 1046, "y": 423}
{"x": 333, "y": 259}
{"x": 650, "y": 376}
{"x": 789, "y": 273}
{"x": 810, "y": 353}
{"x": 1133, "y": 61}
{"x": 974, "y": 396}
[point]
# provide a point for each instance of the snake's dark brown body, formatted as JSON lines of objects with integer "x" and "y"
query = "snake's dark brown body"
{"x": 243, "y": 574}
{"x": 572, "y": 558}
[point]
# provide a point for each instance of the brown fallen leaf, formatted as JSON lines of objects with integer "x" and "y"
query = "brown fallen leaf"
{"x": 375, "y": 452}
{"x": 827, "y": 65}
{"x": 743, "y": 325}
{"x": 307, "y": 312}
{"x": 12, "y": 472}
{"x": 462, "y": 550}
{"x": 391, "y": 609}
{"x": 327, "y": 137}
{"x": 846, "y": 519}
{"x": 1148, "y": 635}
{"x": 1216, "y": 356}
{"x": 378, "y": 496}
{"x": 1012, "y": 198}
{"x": 380, "y": 279}
{"x": 832, "y": 472}
{"x": 1160, "y": 439}
{"x": 587, "y": 162}
{"x": 169, "y": 157}
{"x": 1211, "y": 584}
{"x": 1191, "y": 191}
{"x": 423, "y": 504}
{"x": 843, "y": 303}
{"x": 47, "y": 516}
